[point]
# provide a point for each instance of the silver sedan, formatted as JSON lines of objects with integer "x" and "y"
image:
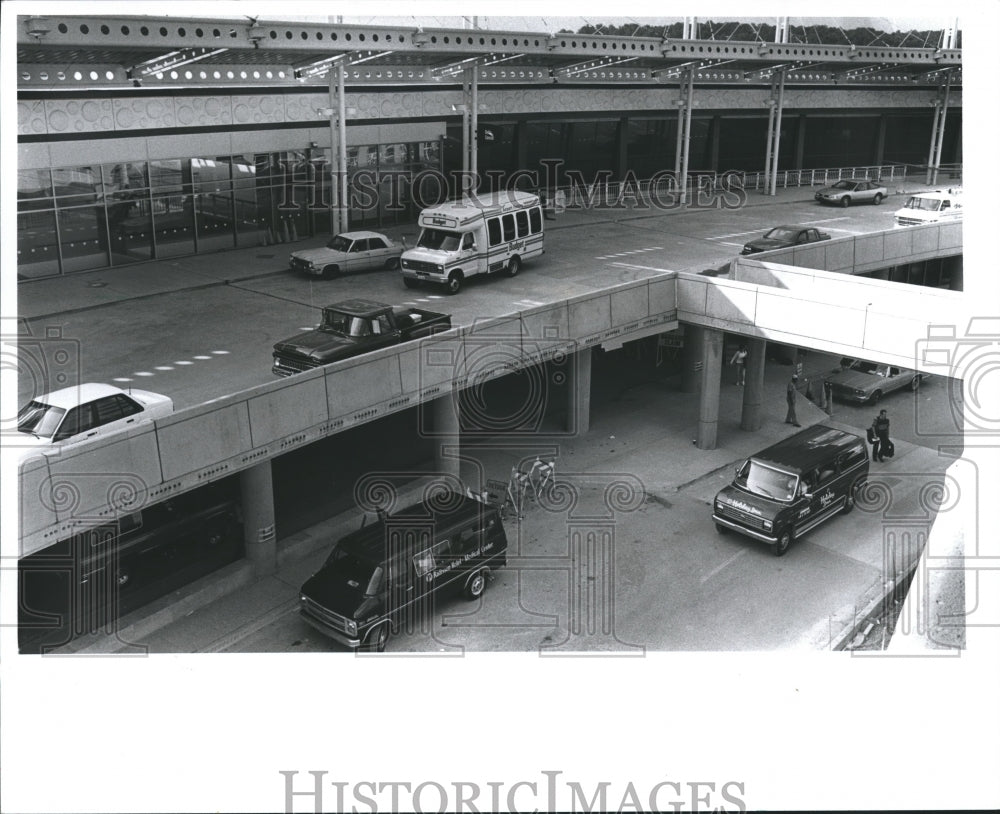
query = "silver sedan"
{"x": 853, "y": 190}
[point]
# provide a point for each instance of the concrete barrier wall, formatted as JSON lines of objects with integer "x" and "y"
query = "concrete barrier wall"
{"x": 88, "y": 483}
{"x": 871, "y": 319}
{"x": 863, "y": 253}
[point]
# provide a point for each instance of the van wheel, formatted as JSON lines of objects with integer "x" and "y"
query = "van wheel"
{"x": 877, "y": 199}
{"x": 329, "y": 272}
{"x": 845, "y": 202}
{"x": 377, "y": 637}
{"x": 454, "y": 284}
{"x": 784, "y": 541}
{"x": 513, "y": 266}
{"x": 915, "y": 384}
{"x": 409, "y": 282}
{"x": 721, "y": 528}
{"x": 849, "y": 501}
{"x": 477, "y": 584}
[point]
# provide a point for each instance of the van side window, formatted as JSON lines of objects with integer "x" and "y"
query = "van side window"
{"x": 493, "y": 227}
{"x": 508, "y": 228}
{"x": 429, "y": 559}
{"x": 522, "y": 223}
{"x": 853, "y": 456}
{"x": 536, "y": 220}
{"x": 826, "y": 473}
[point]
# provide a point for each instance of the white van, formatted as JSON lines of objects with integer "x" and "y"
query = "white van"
{"x": 480, "y": 234}
{"x": 939, "y": 206}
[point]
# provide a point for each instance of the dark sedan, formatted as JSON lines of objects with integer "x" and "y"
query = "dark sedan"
{"x": 783, "y": 237}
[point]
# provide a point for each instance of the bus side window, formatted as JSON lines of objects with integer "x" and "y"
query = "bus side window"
{"x": 522, "y": 223}
{"x": 493, "y": 227}
{"x": 508, "y": 228}
{"x": 536, "y": 220}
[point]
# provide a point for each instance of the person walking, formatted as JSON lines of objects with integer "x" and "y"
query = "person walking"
{"x": 790, "y": 393}
{"x": 882, "y": 445}
{"x": 740, "y": 360}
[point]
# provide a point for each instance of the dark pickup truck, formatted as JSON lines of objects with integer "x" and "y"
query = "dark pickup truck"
{"x": 783, "y": 237}
{"x": 353, "y": 327}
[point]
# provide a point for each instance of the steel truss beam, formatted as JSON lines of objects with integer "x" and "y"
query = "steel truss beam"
{"x": 175, "y": 33}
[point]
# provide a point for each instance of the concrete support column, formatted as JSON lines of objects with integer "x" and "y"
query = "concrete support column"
{"x": 753, "y": 391}
{"x": 447, "y": 435}
{"x": 691, "y": 358}
{"x": 711, "y": 379}
{"x": 880, "y": 140}
{"x": 800, "y": 142}
{"x": 578, "y": 412}
{"x": 257, "y": 498}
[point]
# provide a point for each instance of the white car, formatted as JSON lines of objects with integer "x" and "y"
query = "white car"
{"x": 87, "y": 411}
{"x": 348, "y": 253}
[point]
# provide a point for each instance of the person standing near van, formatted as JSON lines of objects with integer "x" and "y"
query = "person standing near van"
{"x": 790, "y": 393}
{"x": 882, "y": 443}
{"x": 740, "y": 360}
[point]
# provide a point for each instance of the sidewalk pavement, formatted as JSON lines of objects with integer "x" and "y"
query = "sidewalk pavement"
{"x": 51, "y": 296}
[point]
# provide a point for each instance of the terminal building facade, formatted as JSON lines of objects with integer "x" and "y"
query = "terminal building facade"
{"x": 135, "y": 161}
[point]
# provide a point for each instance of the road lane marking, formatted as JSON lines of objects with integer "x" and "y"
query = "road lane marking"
{"x": 723, "y": 565}
{"x": 635, "y": 266}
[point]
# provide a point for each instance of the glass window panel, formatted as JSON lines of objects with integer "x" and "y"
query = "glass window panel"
{"x": 213, "y": 213}
{"x": 210, "y": 174}
{"x": 130, "y": 176}
{"x": 77, "y": 185}
{"x": 173, "y": 225}
{"x": 166, "y": 175}
{"x": 83, "y": 234}
{"x": 37, "y": 252}
{"x": 33, "y": 185}
{"x": 130, "y": 226}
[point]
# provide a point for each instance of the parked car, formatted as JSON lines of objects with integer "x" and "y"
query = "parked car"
{"x": 783, "y": 237}
{"x": 353, "y": 327}
{"x": 87, "y": 411}
{"x": 853, "y": 190}
{"x": 348, "y": 253}
{"x": 866, "y": 382}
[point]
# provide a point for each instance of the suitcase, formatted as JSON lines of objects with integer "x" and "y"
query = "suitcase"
{"x": 890, "y": 450}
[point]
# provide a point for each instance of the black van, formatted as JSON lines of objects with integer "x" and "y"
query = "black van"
{"x": 382, "y": 575}
{"x": 787, "y": 489}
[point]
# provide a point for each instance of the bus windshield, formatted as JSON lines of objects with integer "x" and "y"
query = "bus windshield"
{"x": 439, "y": 240}
{"x": 927, "y": 204}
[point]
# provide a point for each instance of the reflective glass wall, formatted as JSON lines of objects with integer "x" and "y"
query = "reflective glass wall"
{"x": 80, "y": 218}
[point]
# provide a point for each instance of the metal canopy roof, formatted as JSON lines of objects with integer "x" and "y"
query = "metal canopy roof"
{"x": 80, "y": 52}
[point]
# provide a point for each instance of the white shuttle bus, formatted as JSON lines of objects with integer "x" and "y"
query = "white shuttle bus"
{"x": 476, "y": 235}
{"x": 939, "y": 206}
